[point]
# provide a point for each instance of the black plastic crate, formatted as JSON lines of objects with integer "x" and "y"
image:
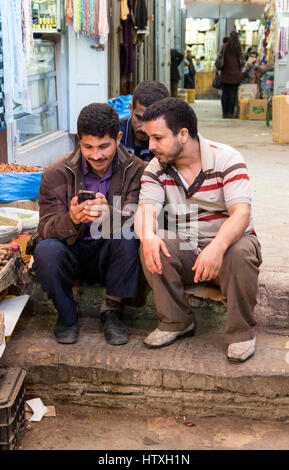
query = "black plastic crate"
{"x": 12, "y": 407}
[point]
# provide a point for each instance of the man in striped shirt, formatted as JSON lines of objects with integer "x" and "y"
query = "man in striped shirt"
{"x": 202, "y": 188}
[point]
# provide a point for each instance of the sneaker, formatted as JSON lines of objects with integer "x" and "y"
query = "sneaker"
{"x": 158, "y": 338}
{"x": 240, "y": 352}
{"x": 66, "y": 334}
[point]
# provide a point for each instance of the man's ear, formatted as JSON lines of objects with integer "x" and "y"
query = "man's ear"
{"x": 118, "y": 138}
{"x": 130, "y": 107}
{"x": 184, "y": 135}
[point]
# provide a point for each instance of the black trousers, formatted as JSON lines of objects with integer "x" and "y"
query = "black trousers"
{"x": 189, "y": 81}
{"x": 112, "y": 263}
{"x": 229, "y": 98}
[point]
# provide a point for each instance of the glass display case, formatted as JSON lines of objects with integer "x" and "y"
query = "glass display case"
{"x": 43, "y": 95}
{"x": 47, "y": 15}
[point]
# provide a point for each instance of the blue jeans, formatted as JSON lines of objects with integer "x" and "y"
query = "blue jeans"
{"x": 112, "y": 263}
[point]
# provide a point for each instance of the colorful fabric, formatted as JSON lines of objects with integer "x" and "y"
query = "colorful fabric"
{"x": 88, "y": 17}
{"x": 2, "y": 117}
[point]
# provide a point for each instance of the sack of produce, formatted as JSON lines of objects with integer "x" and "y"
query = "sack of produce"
{"x": 10, "y": 225}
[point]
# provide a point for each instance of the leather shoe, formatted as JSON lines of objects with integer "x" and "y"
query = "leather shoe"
{"x": 115, "y": 332}
{"x": 66, "y": 334}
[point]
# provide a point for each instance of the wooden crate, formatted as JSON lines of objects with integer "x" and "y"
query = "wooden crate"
{"x": 203, "y": 83}
{"x": 29, "y": 204}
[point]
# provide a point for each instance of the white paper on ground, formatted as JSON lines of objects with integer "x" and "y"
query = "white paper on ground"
{"x": 2, "y": 347}
{"x": 12, "y": 309}
{"x": 38, "y": 409}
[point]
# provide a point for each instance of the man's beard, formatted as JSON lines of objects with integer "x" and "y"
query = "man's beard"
{"x": 169, "y": 158}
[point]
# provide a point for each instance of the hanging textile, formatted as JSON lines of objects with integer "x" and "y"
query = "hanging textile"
{"x": 88, "y": 17}
{"x": 140, "y": 14}
{"x": 27, "y": 34}
{"x": 2, "y": 116}
{"x": 127, "y": 64}
{"x": 103, "y": 22}
{"x": 124, "y": 10}
{"x": 16, "y": 98}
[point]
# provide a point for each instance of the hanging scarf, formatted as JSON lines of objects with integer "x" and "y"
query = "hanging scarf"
{"x": 2, "y": 115}
{"x": 103, "y": 22}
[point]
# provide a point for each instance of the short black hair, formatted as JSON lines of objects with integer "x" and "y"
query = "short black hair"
{"x": 177, "y": 113}
{"x": 98, "y": 119}
{"x": 149, "y": 92}
{"x": 225, "y": 39}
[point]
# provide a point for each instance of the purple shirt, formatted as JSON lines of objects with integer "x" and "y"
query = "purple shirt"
{"x": 95, "y": 183}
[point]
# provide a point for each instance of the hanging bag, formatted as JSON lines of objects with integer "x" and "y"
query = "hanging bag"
{"x": 217, "y": 82}
{"x": 220, "y": 61}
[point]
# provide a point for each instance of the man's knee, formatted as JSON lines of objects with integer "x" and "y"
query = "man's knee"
{"x": 48, "y": 251}
{"x": 243, "y": 253}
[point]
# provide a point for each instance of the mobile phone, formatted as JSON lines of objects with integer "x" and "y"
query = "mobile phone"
{"x": 85, "y": 195}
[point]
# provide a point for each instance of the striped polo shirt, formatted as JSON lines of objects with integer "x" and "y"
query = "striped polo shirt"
{"x": 197, "y": 212}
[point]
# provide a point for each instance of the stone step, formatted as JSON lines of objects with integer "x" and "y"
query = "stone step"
{"x": 272, "y": 310}
{"x": 190, "y": 377}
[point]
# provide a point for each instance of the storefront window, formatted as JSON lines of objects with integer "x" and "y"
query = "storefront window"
{"x": 42, "y": 93}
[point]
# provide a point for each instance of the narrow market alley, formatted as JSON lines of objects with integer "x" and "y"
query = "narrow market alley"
{"x": 64, "y": 64}
{"x": 119, "y": 420}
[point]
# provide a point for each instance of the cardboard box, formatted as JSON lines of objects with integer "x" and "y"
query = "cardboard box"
{"x": 247, "y": 91}
{"x": 258, "y": 110}
{"x": 280, "y": 119}
{"x": 243, "y": 109}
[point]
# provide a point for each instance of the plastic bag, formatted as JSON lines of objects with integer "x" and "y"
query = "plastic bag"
{"x": 19, "y": 186}
{"x": 28, "y": 218}
{"x": 10, "y": 225}
{"x": 121, "y": 105}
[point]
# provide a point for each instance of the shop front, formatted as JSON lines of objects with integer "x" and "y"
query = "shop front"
{"x": 206, "y": 26}
{"x": 66, "y": 68}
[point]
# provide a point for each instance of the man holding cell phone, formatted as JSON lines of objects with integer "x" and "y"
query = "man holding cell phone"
{"x": 75, "y": 241}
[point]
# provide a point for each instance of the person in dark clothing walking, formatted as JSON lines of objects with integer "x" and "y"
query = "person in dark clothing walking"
{"x": 176, "y": 59}
{"x": 189, "y": 72}
{"x": 231, "y": 74}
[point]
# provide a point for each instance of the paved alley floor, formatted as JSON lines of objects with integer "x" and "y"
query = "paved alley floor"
{"x": 87, "y": 428}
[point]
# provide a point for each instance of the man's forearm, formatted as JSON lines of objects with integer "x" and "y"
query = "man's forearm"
{"x": 145, "y": 222}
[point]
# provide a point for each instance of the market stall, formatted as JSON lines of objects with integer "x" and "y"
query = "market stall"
{"x": 19, "y": 188}
{"x": 202, "y": 37}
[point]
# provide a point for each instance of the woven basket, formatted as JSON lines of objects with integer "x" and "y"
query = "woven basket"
{"x": 8, "y": 274}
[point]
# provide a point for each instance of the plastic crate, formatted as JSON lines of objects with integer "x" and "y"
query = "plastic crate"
{"x": 12, "y": 407}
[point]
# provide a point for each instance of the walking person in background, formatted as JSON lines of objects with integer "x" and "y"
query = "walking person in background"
{"x": 231, "y": 73}
{"x": 176, "y": 59}
{"x": 189, "y": 71}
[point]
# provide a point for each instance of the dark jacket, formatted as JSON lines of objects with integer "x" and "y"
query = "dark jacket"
{"x": 232, "y": 71}
{"x": 176, "y": 59}
{"x": 128, "y": 141}
{"x": 63, "y": 180}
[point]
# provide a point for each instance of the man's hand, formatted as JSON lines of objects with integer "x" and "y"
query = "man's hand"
{"x": 151, "y": 252}
{"x": 208, "y": 263}
{"x": 88, "y": 211}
